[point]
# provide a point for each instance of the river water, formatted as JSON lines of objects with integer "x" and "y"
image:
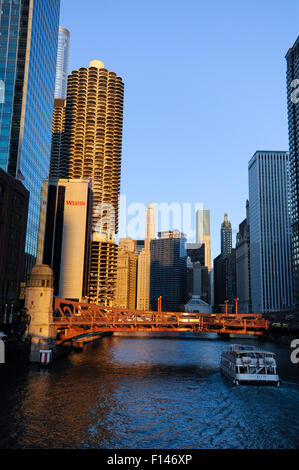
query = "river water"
{"x": 147, "y": 392}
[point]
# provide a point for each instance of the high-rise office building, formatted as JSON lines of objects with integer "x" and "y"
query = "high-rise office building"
{"x": 144, "y": 261}
{"x": 224, "y": 283}
{"x": 62, "y": 65}
{"x": 225, "y": 288}
{"x": 125, "y": 292}
{"x": 292, "y": 59}
{"x": 65, "y": 244}
{"x": 226, "y": 236}
{"x": 203, "y": 235}
{"x": 86, "y": 143}
{"x": 243, "y": 265}
{"x": 270, "y": 232}
{"x": 28, "y": 52}
{"x": 168, "y": 271}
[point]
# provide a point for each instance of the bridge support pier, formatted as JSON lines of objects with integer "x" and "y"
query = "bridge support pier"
{"x": 39, "y": 301}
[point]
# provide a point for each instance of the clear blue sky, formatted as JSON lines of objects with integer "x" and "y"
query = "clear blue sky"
{"x": 205, "y": 88}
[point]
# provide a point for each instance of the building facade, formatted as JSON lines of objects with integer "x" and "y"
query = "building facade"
{"x": 168, "y": 271}
{"x": 198, "y": 281}
{"x": 203, "y": 235}
{"x": 58, "y": 162}
{"x": 67, "y": 238}
{"x": 243, "y": 265}
{"x": 226, "y": 236}
{"x": 126, "y": 279}
{"x": 28, "y": 52}
{"x": 62, "y": 65}
{"x": 292, "y": 59}
{"x": 86, "y": 143}
{"x": 14, "y": 199}
{"x": 144, "y": 261}
{"x": 224, "y": 272}
{"x": 225, "y": 282}
{"x": 270, "y": 232}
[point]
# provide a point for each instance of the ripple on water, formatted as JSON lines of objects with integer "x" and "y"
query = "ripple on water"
{"x": 145, "y": 394}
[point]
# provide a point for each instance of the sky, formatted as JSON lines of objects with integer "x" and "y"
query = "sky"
{"x": 205, "y": 87}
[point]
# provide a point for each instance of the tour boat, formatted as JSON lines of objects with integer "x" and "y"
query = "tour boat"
{"x": 247, "y": 365}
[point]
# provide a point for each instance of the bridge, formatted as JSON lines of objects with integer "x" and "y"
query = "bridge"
{"x": 76, "y": 319}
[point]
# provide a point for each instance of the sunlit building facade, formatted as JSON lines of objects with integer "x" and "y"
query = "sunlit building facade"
{"x": 62, "y": 65}
{"x": 270, "y": 232}
{"x": 86, "y": 143}
{"x": 203, "y": 235}
{"x": 144, "y": 261}
{"x": 28, "y": 52}
{"x": 125, "y": 292}
{"x": 67, "y": 239}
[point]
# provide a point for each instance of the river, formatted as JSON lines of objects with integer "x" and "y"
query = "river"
{"x": 147, "y": 392}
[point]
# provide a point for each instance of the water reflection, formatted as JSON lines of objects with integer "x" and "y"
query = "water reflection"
{"x": 147, "y": 393}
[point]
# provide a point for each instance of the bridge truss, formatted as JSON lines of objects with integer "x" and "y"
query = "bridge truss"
{"x": 77, "y": 319}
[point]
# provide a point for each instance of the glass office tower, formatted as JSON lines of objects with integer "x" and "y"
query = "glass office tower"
{"x": 168, "y": 271}
{"x": 62, "y": 66}
{"x": 28, "y": 53}
{"x": 292, "y": 59}
{"x": 270, "y": 232}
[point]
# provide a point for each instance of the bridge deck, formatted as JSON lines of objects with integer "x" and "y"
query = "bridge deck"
{"x": 73, "y": 319}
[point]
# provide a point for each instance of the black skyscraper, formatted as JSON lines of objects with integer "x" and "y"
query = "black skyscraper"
{"x": 168, "y": 271}
{"x": 292, "y": 58}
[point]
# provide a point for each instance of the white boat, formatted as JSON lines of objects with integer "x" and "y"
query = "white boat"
{"x": 248, "y": 365}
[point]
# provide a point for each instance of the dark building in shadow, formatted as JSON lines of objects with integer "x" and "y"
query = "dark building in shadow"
{"x": 225, "y": 287}
{"x": 169, "y": 271}
{"x": 14, "y": 198}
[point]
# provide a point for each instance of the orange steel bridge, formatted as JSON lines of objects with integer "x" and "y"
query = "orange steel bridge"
{"x": 77, "y": 319}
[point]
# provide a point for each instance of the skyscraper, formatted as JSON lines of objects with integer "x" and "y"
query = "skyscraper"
{"x": 168, "y": 271}
{"x": 125, "y": 292}
{"x": 28, "y": 52}
{"x": 225, "y": 288}
{"x": 66, "y": 243}
{"x": 203, "y": 234}
{"x": 292, "y": 59}
{"x": 58, "y": 162}
{"x": 62, "y": 66}
{"x": 144, "y": 261}
{"x": 86, "y": 143}
{"x": 226, "y": 236}
{"x": 225, "y": 268}
{"x": 243, "y": 265}
{"x": 270, "y": 232}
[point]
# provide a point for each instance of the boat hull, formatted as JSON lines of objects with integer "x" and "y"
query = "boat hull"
{"x": 250, "y": 379}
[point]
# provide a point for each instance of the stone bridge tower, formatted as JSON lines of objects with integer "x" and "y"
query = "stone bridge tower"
{"x": 39, "y": 304}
